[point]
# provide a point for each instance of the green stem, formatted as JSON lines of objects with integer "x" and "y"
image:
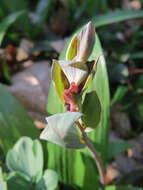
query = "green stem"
{"x": 94, "y": 154}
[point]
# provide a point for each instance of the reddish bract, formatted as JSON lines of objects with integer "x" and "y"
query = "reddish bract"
{"x": 69, "y": 99}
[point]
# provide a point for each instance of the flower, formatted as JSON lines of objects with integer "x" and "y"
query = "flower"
{"x": 73, "y": 75}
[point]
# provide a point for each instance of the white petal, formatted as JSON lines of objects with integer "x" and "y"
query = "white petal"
{"x": 60, "y": 130}
{"x": 72, "y": 73}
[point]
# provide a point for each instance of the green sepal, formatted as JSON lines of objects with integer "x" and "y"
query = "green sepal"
{"x": 72, "y": 48}
{"x": 58, "y": 79}
{"x": 93, "y": 68}
{"x": 61, "y": 130}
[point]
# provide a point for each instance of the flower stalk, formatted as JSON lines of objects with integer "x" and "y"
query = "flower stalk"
{"x": 94, "y": 154}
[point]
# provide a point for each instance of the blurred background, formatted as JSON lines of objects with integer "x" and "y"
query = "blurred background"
{"x": 32, "y": 33}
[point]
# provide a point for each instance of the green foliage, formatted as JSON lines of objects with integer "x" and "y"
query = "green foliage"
{"x": 43, "y": 9}
{"x": 91, "y": 110}
{"x": 13, "y": 6}
{"x": 131, "y": 101}
{"x": 60, "y": 130}
{"x": 14, "y": 120}
{"x": 116, "y": 148}
{"x": 18, "y": 182}
{"x": 119, "y": 94}
{"x": 25, "y": 164}
{"x": 3, "y": 184}
{"x": 123, "y": 188}
{"x": 7, "y": 22}
{"x": 48, "y": 181}
{"x": 115, "y": 17}
{"x": 26, "y": 159}
{"x": 5, "y": 71}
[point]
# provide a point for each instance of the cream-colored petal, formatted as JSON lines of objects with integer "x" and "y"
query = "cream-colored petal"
{"x": 72, "y": 73}
{"x": 86, "y": 42}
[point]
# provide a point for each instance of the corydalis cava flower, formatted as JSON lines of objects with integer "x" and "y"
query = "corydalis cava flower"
{"x": 72, "y": 76}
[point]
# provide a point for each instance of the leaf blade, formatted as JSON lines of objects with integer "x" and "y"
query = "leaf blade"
{"x": 91, "y": 102}
{"x": 14, "y": 121}
{"x": 26, "y": 159}
{"x": 7, "y": 22}
{"x": 116, "y": 16}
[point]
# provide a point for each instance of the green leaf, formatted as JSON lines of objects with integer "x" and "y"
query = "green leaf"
{"x": 61, "y": 130}
{"x": 91, "y": 166}
{"x": 7, "y": 22}
{"x": 112, "y": 187}
{"x": 66, "y": 159}
{"x": 6, "y": 72}
{"x": 26, "y": 159}
{"x": 43, "y": 10}
{"x": 117, "y": 148}
{"x": 49, "y": 181}
{"x": 18, "y": 182}
{"x": 116, "y": 16}
{"x": 14, "y": 121}
{"x": 14, "y": 6}
{"x": 100, "y": 85}
{"x": 119, "y": 94}
{"x": 91, "y": 110}
{"x": 3, "y": 184}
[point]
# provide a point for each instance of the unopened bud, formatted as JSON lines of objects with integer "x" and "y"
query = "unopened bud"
{"x": 86, "y": 42}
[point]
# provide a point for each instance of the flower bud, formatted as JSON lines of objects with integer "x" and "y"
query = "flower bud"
{"x": 86, "y": 42}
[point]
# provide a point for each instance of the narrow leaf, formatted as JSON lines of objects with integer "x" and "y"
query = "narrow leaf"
{"x": 116, "y": 16}
{"x": 7, "y": 22}
{"x": 42, "y": 10}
